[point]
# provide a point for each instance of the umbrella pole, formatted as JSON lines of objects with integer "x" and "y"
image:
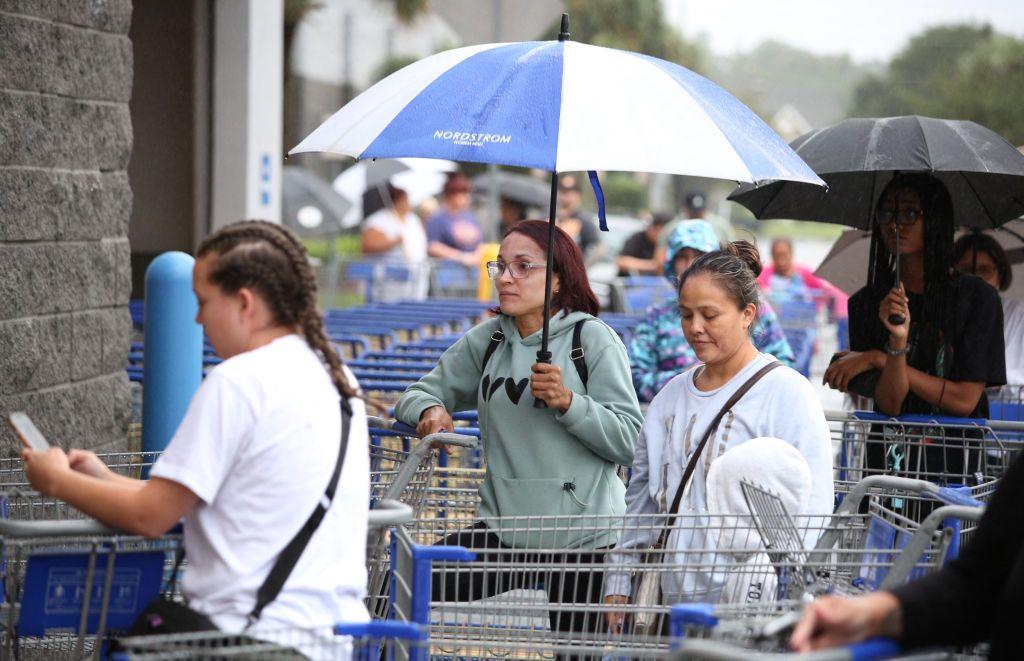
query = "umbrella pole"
{"x": 897, "y": 319}
{"x": 544, "y": 356}
{"x": 894, "y": 319}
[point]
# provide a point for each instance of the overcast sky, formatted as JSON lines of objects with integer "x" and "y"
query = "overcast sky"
{"x": 865, "y": 29}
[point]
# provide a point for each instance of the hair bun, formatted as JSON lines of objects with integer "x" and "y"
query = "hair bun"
{"x": 747, "y": 252}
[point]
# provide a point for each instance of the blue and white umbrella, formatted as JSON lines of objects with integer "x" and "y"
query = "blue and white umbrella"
{"x": 560, "y": 106}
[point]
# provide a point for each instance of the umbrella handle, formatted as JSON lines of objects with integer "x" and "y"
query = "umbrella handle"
{"x": 542, "y": 357}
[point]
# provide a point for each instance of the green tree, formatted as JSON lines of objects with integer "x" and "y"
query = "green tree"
{"x": 954, "y": 72}
{"x": 988, "y": 87}
{"x": 635, "y": 25}
{"x": 775, "y": 74}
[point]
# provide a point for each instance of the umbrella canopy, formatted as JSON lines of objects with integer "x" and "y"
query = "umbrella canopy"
{"x": 520, "y": 188}
{"x": 845, "y": 266}
{"x": 559, "y": 106}
{"x": 419, "y": 177}
{"x": 309, "y": 205}
{"x": 857, "y": 157}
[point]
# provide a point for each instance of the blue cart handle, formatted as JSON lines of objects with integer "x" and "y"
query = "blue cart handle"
{"x": 874, "y": 648}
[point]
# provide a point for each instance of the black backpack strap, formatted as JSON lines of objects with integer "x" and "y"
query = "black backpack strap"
{"x": 289, "y": 557}
{"x": 497, "y": 337}
{"x": 577, "y": 354}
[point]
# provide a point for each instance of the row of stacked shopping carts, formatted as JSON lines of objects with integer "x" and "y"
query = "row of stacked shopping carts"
{"x": 68, "y": 583}
{"x": 533, "y": 596}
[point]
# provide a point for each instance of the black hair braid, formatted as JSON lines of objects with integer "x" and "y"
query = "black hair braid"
{"x": 291, "y": 299}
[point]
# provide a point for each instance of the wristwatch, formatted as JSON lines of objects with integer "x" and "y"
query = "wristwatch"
{"x": 897, "y": 352}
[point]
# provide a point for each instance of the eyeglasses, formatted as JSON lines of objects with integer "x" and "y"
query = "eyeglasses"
{"x": 518, "y": 269}
{"x": 905, "y": 217}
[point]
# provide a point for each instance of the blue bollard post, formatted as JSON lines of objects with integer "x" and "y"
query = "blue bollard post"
{"x": 173, "y": 350}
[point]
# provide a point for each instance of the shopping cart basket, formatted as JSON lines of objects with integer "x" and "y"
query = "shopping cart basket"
{"x": 704, "y": 632}
{"x": 960, "y": 452}
{"x": 537, "y": 582}
{"x": 856, "y": 553}
{"x": 370, "y": 641}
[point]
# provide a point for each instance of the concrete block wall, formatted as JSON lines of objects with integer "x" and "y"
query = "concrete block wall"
{"x": 65, "y": 278}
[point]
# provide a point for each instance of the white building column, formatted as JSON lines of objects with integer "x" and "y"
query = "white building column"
{"x": 246, "y": 129}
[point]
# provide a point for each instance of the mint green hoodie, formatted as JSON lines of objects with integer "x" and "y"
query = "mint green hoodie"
{"x": 533, "y": 453}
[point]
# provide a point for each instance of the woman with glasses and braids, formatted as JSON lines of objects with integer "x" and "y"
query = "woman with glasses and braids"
{"x": 254, "y": 454}
{"x": 947, "y": 346}
{"x": 560, "y": 459}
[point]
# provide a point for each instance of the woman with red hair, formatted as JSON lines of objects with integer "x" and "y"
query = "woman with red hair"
{"x": 557, "y": 460}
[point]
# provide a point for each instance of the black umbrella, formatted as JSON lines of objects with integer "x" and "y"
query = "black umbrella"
{"x": 519, "y": 188}
{"x": 856, "y": 158}
{"x": 309, "y": 205}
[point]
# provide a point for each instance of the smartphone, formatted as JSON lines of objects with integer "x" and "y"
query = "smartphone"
{"x": 27, "y": 431}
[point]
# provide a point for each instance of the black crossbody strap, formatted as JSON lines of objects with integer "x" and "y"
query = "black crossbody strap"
{"x": 289, "y": 557}
{"x": 497, "y": 337}
{"x": 695, "y": 457}
{"x": 577, "y": 354}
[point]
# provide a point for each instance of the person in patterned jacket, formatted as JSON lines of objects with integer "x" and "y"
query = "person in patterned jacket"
{"x": 658, "y": 351}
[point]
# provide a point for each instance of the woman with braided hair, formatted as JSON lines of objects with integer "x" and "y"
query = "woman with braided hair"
{"x": 255, "y": 455}
{"x": 929, "y": 344}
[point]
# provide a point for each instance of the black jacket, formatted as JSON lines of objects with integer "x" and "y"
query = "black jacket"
{"x": 980, "y": 595}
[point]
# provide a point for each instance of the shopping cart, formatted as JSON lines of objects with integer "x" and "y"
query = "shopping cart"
{"x": 67, "y": 584}
{"x": 414, "y": 475}
{"x": 370, "y": 641}
{"x": 20, "y": 502}
{"x": 965, "y": 453}
{"x": 537, "y": 582}
{"x": 1007, "y": 403}
{"x": 705, "y": 632}
{"x": 856, "y": 553}
{"x": 415, "y": 568}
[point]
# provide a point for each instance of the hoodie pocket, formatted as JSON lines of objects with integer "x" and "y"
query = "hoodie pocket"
{"x": 560, "y": 500}
{"x": 545, "y": 496}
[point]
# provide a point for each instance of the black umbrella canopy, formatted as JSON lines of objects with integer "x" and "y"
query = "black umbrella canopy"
{"x": 309, "y": 206}
{"x": 519, "y": 188}
{"x": 857, "y": 157}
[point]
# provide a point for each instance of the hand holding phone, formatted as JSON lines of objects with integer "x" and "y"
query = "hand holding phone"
{"x": 27, "y": 432}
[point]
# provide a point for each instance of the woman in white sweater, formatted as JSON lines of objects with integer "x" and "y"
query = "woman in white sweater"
{"x": 718, "y": 299}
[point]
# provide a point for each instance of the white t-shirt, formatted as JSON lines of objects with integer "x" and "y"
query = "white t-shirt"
{"x": 1013, "y": 332}
{"x": 412, "y": 280}
{"x": 258, "y": 446}
{"x": 414, "y": 238}
{"x": 782, "y": 405}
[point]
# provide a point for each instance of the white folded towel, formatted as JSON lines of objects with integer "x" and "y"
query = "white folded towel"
{"x": 778, "y": 467}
